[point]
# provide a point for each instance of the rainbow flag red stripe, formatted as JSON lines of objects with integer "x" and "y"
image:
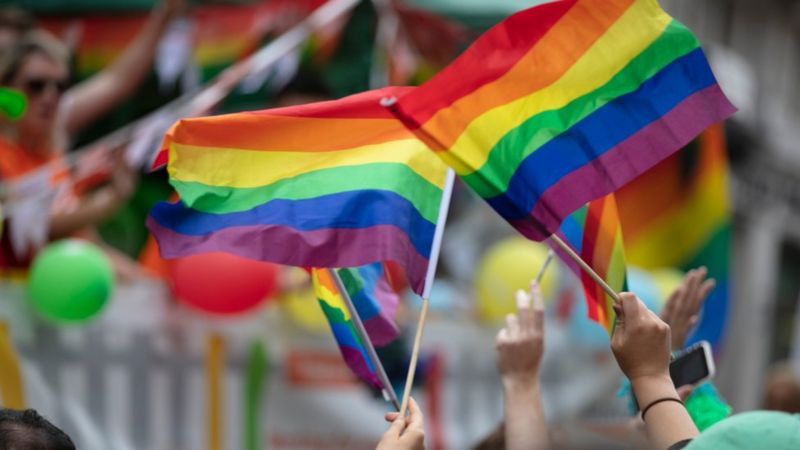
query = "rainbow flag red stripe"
{"x": 564, "y": 103}
{"x": 330, "y": 184}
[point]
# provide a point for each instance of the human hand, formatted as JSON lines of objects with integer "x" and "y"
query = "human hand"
{"x": 123, "y": 178}
{"x": 404, "y": 433}
{"x": 682, "y": 310}
{"x": 641, "y": 340}
{"x": 520, "y": 344}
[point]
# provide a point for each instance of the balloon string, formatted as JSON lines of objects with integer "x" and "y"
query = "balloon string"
{"x": 12, "y": 392}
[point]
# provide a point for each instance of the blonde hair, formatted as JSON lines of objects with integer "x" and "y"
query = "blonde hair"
{"x": 34, "y": 41}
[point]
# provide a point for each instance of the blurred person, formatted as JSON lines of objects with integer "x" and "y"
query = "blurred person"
{"x": 404, "y": 433}
{"x": 14, "y": 23}
{"x": 682, "y": 309}
{"x": 782, "y": 389}
{"x": 37, "y": 65}
{"x": 27, "y": 430}
{"x": 520, "y": 346}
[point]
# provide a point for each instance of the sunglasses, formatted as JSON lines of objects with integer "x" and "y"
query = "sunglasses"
{"x": 37, "y": 86}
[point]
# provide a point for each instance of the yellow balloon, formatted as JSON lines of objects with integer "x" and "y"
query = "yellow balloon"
{"x": 300, "y": 303}
{"x": 507, "y": 266}
{"x": 666, "y": 281}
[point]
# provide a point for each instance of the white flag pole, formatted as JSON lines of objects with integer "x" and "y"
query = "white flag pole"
{"x": 447, "y": 194}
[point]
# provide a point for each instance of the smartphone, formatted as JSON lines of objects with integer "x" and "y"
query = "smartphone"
{"x": 693, "y": 365}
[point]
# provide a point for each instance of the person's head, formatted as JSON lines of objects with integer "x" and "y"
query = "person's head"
{"x": 755, "y": 429}
{"x": 38, "y": 66}
{"x": 27, "y": 430}
{"x": 14, "y": 23}
{"x": 782, "y": 390}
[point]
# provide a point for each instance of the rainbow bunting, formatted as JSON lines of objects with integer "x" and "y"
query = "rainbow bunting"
{"x": 375, "y": 304}
{"x": 595, "y": 233}
{"x": 564, "y": 103}
{"x": 330, "y": 184}
{"x": 678, "y": 215}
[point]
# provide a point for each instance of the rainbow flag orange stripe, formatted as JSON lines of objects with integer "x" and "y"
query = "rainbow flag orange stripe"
{"x": 564, "y": 103}
{"x": 594, "y": 232}
{"x": 330, "y": 184}
{"x": 375, "y": 304}
{"x": 678, "y": 214}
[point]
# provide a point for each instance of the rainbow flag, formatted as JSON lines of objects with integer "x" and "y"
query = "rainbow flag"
{"x": 564, "y": 103}
{"x": 330, "y": 184}
{"x": 375, "y": 303}
{"x": 678, "y": 214}
{"x": 594, "y": 232}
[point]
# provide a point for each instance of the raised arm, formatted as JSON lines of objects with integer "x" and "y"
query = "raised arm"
{"x": 682, "y": 310}
{"x": 520, "y": 346}
{"x": 97, "y": 95}
{"x": 641, "y": 345}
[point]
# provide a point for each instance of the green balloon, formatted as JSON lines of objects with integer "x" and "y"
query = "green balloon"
{"x": 70, "y": 281}
{"x": 13, "y": 103}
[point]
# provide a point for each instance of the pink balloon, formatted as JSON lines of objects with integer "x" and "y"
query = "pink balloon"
{"x": 222, "y": 284}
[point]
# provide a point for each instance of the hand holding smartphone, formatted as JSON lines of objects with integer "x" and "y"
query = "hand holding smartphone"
{"x": 693, "y": 365}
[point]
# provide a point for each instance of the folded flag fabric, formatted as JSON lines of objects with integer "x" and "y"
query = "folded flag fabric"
{"x": 678, "y": 214}
{"x": 564, "y": 103}
{"x": 375, "y": 303}
{"x": 330, "y": 184}
{"x": 594, "y": 232}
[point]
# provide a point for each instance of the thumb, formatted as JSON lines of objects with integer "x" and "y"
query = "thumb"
{"x": 396, "y": 428}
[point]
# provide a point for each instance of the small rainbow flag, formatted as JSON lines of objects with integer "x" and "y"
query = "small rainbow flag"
{"x": 678, "y": 214}
{"x": 375, "y": 303}
{"x": 595, "y": 233}
{"x": 330, "y": 184}
{"x": 564, "y": 103}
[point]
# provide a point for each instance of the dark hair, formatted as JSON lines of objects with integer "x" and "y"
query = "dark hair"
{"x": 27, "y": 430}
{"x": 36, "y": 41}
{"x": 20, "y": 20}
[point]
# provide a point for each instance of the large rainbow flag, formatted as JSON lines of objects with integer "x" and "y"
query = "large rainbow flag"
{"x": 595, "y": 233}
{"x": 564, "y": 103}
{"x": 329, "y": 184}
{"x": 678, "y": 215}
{"x": 375, "y": 303}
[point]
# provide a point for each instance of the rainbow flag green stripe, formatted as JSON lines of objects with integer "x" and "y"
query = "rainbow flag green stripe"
{"x": 398, "y": 178}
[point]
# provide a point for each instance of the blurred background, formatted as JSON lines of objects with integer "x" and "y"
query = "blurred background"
{"x": 152, "y": 364}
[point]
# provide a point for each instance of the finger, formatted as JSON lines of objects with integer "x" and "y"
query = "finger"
{"x": 631, "y": 307}
{"x": 685, "y": 391}
{"x": 703, "y": 291}
{"x": 538, "y": 306}
{"x": 668, "y": 311}
{"x": 396, "y": 428}
{"x": 415, "y": 414}
{"x": 694, "y": 277}
{"x": 512, "y": 325}
{"x": 524, "y": 311}
{"x": 693, "y": 320}
{"x": 502, "y": 336}
{"x": 391, "y": 416}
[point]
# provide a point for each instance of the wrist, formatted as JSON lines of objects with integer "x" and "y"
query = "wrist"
{"x": 519, "y": 384}
{"x": 652, "y": 387}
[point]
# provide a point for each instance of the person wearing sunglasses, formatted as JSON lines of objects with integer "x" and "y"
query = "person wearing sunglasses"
{"x": 37, "y": 64}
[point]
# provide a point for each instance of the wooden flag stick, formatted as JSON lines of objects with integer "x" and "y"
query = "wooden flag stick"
{"x": 547, "y": 262}
{"x": 412, "y": 366}
{"x": 388, "y": 390}
{"x": 586, "y": 268}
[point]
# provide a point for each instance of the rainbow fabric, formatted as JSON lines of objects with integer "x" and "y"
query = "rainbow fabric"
{"x": 564, "y": 103}
{"x": 330, "y": 184}
{"x": 678, "y": 215}
{"x": 595, "y": 233}
{"x": 375, "y": 304}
